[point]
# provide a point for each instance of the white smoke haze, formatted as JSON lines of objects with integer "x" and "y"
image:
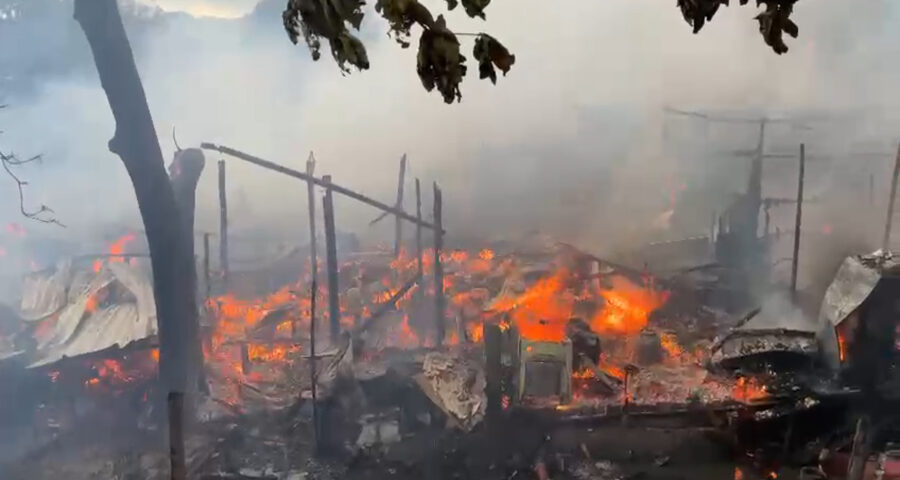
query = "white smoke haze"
{"x": 573, "y": 142}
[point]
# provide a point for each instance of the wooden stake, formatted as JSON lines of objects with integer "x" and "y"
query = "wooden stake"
{"x": 885, "y": 244}
{"x": 420, "y": 269}
{"x": 223, "y": 226}
{"x": 439, "y": 301}
{"x": 398, "y": 225}
{"x": 334, "y": 309}
{"x": 493, "y": 375}
{"x": 796, "y": 258}
{"x": 313, "y": 290}
{"x": 175, "y": 402}
{"x": 206, "y": 276}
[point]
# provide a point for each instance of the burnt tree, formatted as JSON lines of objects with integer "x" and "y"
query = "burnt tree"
{"x": 135, "y": 142}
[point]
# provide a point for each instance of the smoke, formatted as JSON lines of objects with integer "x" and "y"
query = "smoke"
{"x": 573, "y": 142}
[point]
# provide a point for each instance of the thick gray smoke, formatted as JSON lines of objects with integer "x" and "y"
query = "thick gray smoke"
{"x": 573, "y": 142}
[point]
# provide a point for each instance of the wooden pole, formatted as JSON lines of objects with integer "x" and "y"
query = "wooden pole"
{"x": 871, "y": 190}
{"x": 334, "y": 309}
{"x": 885, "y": 244}
{"x": 313, "y": 290}
{"x": 223, "y": 226}
{"x": 177, "y": 456}
{"x": 206, "y": 276}
{"x": 420, "y": 269}
{"x": 398, "y": 223}
{"x": 439, "y": 301}
{"x": 320, "y": 182}
{"x": 796, "y": 258}
{"x": 493, "y": 375}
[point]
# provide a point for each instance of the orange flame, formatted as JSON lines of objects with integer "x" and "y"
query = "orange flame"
{"x": 116, "y": 248}
{"x": 747, "y": 390}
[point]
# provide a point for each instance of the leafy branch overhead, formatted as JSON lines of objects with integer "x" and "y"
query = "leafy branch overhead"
{"x": 440, "y": 64}
{"x": 774, "y": 21}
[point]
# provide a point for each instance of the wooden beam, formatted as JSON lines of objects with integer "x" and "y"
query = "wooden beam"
{"x": 334, "y": 309}
{"x": 885, "y": 244}
{"x": 796, "y": 258}
{"x": 385, "y": 307}
{"x": 493, "y": 376}
{"x": 398, "y": 224}
{"x": 177, "y": 457}
{"x": 223, "y": 226}
{"x": 439, "y": 300}
{"x": 321, "y": 182}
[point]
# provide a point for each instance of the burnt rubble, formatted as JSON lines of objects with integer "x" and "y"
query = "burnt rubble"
{"x": 582, "y": 345}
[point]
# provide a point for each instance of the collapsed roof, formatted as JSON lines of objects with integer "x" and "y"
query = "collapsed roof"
{"x": 80, "y": 311}
{"x": 855, "y": 280}
{"x": 777, "y": 326}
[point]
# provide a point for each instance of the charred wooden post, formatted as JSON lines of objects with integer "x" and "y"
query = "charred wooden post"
{"x": 245, "y": 359}
{"x": 177, "y": 457}
{"x": 420, "y": 269}
{"x": 885, "y": 244}
{"x": 796, "y": 257}
{"x": 398, "y": 223}
{"x": 223, "y": 226}
{"x": 334, "y": 309}
{"x": 439, "y": 300}
{"x": 493, "y": 375}
{"x": 313, "y": 290}
{"x": 206, "y": 276}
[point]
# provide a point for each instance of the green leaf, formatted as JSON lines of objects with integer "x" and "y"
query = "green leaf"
{"x": 317, "y": 19}
{"x": 401, "y": 15}
{"x": 474, "y": 8}
{"x": 491, "y": 53}
{"x": 440, "y": 64}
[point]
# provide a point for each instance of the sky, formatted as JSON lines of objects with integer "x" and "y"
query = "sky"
{"x": 572, "y": 141}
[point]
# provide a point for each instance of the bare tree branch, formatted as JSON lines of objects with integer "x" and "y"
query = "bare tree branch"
{"x": 44, "y": 214}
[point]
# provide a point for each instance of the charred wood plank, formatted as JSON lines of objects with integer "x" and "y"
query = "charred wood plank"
{"x": 385, "y": 307}
{"x": 493, "y": 375}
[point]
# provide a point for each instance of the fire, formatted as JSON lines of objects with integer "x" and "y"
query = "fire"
{"x": 264, "y": 353}
{"x": 772, "y": 475}
{"x": 476, "y": 332}
{"x": 486, "y": 254}
{"x": 670, "y": 344}
{"x": 748, "y": 390}
{"x": 842, "y": 346}
{"x": 583, "y": 374}
{"x": 117, "y": 248}
{"x": 738, "y": 474}
{"x": 544, "y": 309}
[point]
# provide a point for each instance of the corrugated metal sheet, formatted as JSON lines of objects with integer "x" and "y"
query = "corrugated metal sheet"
{"x": 852, "y": 284}
{"x": 45, "y": 293}
{"x": 78, "y": 331}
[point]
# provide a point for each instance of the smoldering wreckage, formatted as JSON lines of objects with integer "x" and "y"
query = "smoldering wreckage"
{"x": 533, "y": 359}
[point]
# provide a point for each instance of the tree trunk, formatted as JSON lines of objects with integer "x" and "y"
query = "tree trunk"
{"x": 136, "y": 143}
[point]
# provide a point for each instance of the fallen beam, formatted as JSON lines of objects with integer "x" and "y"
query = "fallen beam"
{"x": 302, "y": 176}
{"x": 385, "y": 307}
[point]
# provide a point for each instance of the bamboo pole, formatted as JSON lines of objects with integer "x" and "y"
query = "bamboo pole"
{"x": 320, "y": 182}
{"x": 796, "y": 258}
{"x": 223, "y": 226}
{"x": 313, "y": 290}
{"x": 398, "y": 223}
{"x": 439, "y": 300}
{"x": 334, "y": 309}
{"x": 885, "y": 244}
